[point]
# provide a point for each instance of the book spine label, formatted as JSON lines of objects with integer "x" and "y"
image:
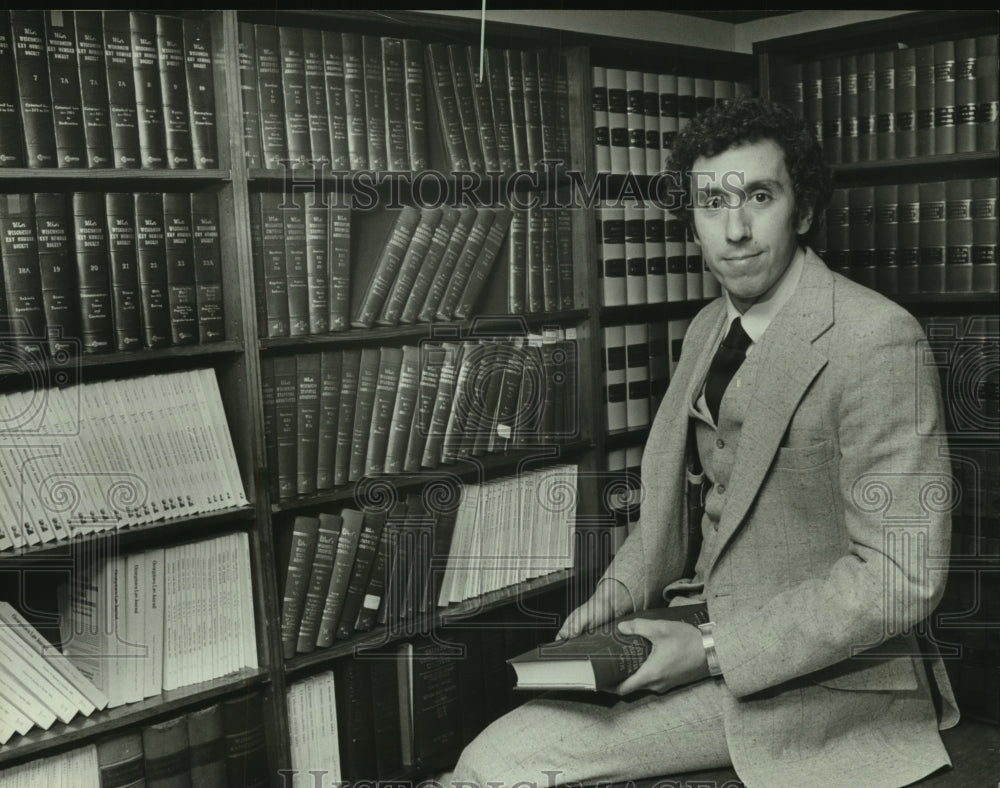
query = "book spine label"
{"x": 207, "y": 242}
{"x": 121, "y": 89}
{"x": 120, "y": 212}
{"x": 64, "y": 84}
{"x": 28, "y": 28}
{"x": 62, "y": 312}
{"x": 336, "y": 107}
{"x": 181, "y": 290}
{"x": 200, "y": 73}
{"x": 90, "y": 243}
{"x": 148, "y": 99}
{"x": 151, "y": 256}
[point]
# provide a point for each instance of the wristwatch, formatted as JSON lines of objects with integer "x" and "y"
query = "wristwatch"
{"x": 708, "y": 643}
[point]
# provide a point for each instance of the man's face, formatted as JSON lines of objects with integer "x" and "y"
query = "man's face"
{"x": 745, "y": 218}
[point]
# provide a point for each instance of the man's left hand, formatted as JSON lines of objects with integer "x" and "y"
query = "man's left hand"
{"x": 677, "y": 656}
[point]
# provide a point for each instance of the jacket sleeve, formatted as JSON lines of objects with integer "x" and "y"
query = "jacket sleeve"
{"x": 895, "y": 490}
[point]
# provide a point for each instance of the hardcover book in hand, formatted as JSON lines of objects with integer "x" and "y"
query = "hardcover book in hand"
{"x": 596, "y": 660}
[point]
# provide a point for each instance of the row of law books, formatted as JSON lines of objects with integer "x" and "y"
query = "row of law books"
{"x": 150, "y": 621}
{"x": 540, "y": 261}
{"x": 646, "y": 255}
{"x": 911, "y": 238}
{"x": 416, "y": 704}
{"x": 312, "y": 727}
{"x": 638, "y": 114}
{"x": 509, "y": 114}
{"x": 91, "y": 272}
{"x": 38, "y": 684}
{"x": 333, "y": 417}
{"x": 637, "y": 361}
{"x": 354, "y": 101}
{"x": 107, "y": 89}
{"x": 927, "y": 100}
{"x": 344, "y": 573}
{"x": 128, "y": 452}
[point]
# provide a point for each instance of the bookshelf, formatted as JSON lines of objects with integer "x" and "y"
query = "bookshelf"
{"x": 947, "y": 62}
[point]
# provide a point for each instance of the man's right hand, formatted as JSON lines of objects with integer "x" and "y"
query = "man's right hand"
{"x": 610, "y": 600}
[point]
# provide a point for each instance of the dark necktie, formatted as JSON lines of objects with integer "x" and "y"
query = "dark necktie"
{"x": 726, "y": 361}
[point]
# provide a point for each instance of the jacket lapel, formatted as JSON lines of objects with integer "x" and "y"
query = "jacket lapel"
{"x": 788, "y": 363}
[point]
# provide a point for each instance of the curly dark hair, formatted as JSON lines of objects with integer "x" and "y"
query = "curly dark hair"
{"x": 750, "y": 120}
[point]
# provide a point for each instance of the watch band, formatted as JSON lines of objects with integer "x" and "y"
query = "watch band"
{"x": 708, "y": 643}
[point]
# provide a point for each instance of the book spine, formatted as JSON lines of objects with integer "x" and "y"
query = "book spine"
{"x": 165, "y": 752}
{"x": 446, "y": 101}
{"x": 318, "y": 587}
{"x": 394, "y": 96}
{"x": 386, "y": 268}
{"x": 181, "y": 290}
{"x": 151, "y": 256}
{"x": 64, "y": 88}
{"x": 484, "y": 112}
{"x": 270, "y": 94}
{"x": 121, "y": 89}
{"x": 368, "y": 547}
{"x": 368, "y": 375}
{"x": 31, "y": 63}
{"x": 534, "y": 295}
{"x": 148, "y": 101}
{"x": 908, "y": 250}
{"x": 655, "y": 255}
{"x": 517, "y": 253}
{"x": 354, "y": 100}
{"x": 329, "y": 403}
{"x": 866, "y": 106}
{"x": 410, "y": 266}
{"x": 944, "y": 97}
{"x": 285, "y": 425}
{"x": 249, "y": 100}
{"x": 905, "y": 122}
{"x": 21, "y": 277}
{"x": 59, "y": 299}
{"x": 550, "y": 273}
{"x": 294, "y": 98}
{"x": 599, "y": 108}
{"x": 812, "y": 96}
{"x": 613, "y": 250}
{"x": 293, "y": 220}
{"x": 500, "y": 99}
{"x": 460, "y": 71}
{"x": 984, "y": 235}
{"x": 695, "y": 266}
{"x": 200, "y": 74}
{"x": 635, "y": 254}
{"x": 375, "y": 129}
{"x": 659, "y": 365}
{"x": 933, "y": 229}
{"x": 11, "y": 147}
{"x": 208, "y": 266}
{"x": 350, "y": 371}
{"x": 861, "y": 234}
{"x": 302, "y": 547}
{"x": 618, "y": 128}
{"x": 268, "y": 399}
{"x": 383, "y": 404}
{"x": 532, "y": 110}
{"x": 886, "y": 239}
{"x": 685, "y": 101}
{"x": 831, "y": 113}
{"x": 272, "y": 229}
{"x": 545, "y": 63}
{"x": 443, "y": 398}
{"x": 925, "y": 99}
{"x": 483, "y": 265}
{"x": 257, "y": 261}
{"x": 429, "y": 265}
{"x": 91, "y": 255}
{"x": 615, "y": 384}
{"x": 207, "y": 745}
{"x": 307, "y": 372}
{"x": 340, "y": 268}
{"x": 336, "y": 108}
{"x": 515, "y": 97}
{"x": 987, "y": 103}
{"x": 667, "y": 87}
{"x": 958, "y": 236}
{"x": 442, "y": 275}
{"x": 246, "y": 743}
{"x": 343, "y": 563}
{"x": 120, "y": 761}
{"x": 317, "y": 241}
{"x": 965, "y": 95}
{"x": 849, "y": 109}
{"x": 838, "y": 241}
{"x": 316, "y": 110}
{"x": 403, "y": 410}
{"x": 651, "y": 121}
{"x": 674, "y": 247}
{"x": 174, "y": 91}
{"x": 123, "y": 265}
{"x": 563, "y": 123}
{"x": 474, "y": 246}
{"x": 416, "y": 104}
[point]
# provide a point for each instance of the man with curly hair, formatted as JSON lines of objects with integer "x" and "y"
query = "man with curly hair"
{"x": 802, "y": 405}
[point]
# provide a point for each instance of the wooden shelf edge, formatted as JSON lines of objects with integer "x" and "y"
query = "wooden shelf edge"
{"x": 80, "y": 730}
{"x": 88, "y": 175}
{"x": 428, "y": 623}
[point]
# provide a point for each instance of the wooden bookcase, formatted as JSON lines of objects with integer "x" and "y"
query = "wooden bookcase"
{"x": 237, "y": 361}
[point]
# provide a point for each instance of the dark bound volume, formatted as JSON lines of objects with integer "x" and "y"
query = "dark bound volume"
{"x": 534, "y": 262}
{"x": 598, "y": 660}
{"x": 386, "y": 267}
{"x": 390, "y": 361}
{"x": 504, "y": 128}
{"x": 410, "y": 267}
{"x": 364, "y": 559}
{"x": 119, "y": 760}
{"x": 484, "y": 112}
{"x": 483, "y": 265}
{"x": 838, "y": 239}
{"x": 965, "y": 95}
{"x": 249, "y": 101}
{"x": 285, "y": 425}
{"x": 64, "y": 84}
{"x": 59, "y": 300}
{"x": 933, "y": 228}
{"x": 427, "y": 386}
{"x": 428, "y": 266}
{"x": 355, "y": 719}
{"x": 886, "y": 239}
{"x": 562, "y": 116}
{"x": 294, "y": 557}
{"x": 446, "y": 360}
{"x": 207, "y": 742}
{"x": 987, "y": 103}
{"x": 354, "y": 100}
{"x": 333, "y": 75}
{"x": 329, "y": 404}
{"x": 327, "y": 536}
{"x": 832, "y": 120}
{"x": 866, "y": 106}
{"x": 267, "y": 395}
{"x": 174, "y": 90}
{"x": 416, "y": 104}
{"x": 166, "y": 753}
{"x": 812, "y": 96}
{"x": 350, "y": 369}
{"x": 532, "y": 110}
{"x": 849, "y": 108}
{"x": 272, "y": 234}
{"x": 151, "y": 255}
{"x": 402, "y": 411}
{"x": 148, "y": 100}
{"x": 121, "y": 88}
{"x": 944, "y": 97}
{"x": 515, "y": 96}
{"x": 246, "y": 745}
{"x": 984, "y": 235}
{"x": 429, "y": 695}
{"x": 120, "y": 214}
{"x": 208, "y": 266}
{"x": 925, "y": 99}
{"x": 11, "y": 150}
{"x": 21, "y": 278}
{"x": 318, "y": 115}
{"x": 270, "y": 94}
{"x": 201, "y": 92}
{"x": 91, "y": 254}
{"x": 28, "y": 28}
{"x": 317, "y": 231}
{"x": 181, "y": 291}
{"x": 958, "y": 236}
{"x": 461, "y": 75}
{"x": 517, "y": 251}
{"x": 385, "y": 709}
{"x": 371, "y": 52}
{"x": 908, "y": 250}
{"x": 368, "y": 375}
{"x": 905, "y": 123}
{"x": 885, "y": 105}
{"x": 340, "y": 268}
{"x": 307, "y": 371}
{"x": 293, "y": 81}
{"x": 343, "y": 562}
{"x": 466, "y": 263}
{"x": 394, "y": 96}
{"x": 861, "y": 233}
{"x": 550, "y": 271}
{"x": 442, "y": 275}
{"x": 446, "y": 102}
{"x": 293, "y": 217}
{"x": 93, "y": 88}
